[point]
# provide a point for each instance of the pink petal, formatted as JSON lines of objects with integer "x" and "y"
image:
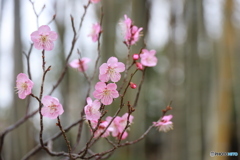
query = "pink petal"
{"x": 47, "y": 100}
{"x": 112, "y": 61}
{"x": 103, "y": 77}
{"x": 21, "y": 77}
{"x": 114, "y": 94}
{"x": 96, "y": 104}
{"x": 120, "y": 67}
{"x": 100, "y": 86}
{"x": 111, "y": 86}
{"x": 75, "y": 63}
{"x": 38, "y": 45}
{"x": 97, "y": 94}
{"x": 22, "y": 95}
{"x": 103, "y": 68}
{"x": 167, "y": 118}
{"x": 89, "y": 101}
{"x": 44, "y": 29}
{"x": 124, "y": 136}
{"x": 85, "y": 59}
{"x": 48, "y": 46}
{"x": 35, "y": 36}
{"x": 53, "y": 36}
{"x": 106, "y": 100}
{"x": 116, "y": 77}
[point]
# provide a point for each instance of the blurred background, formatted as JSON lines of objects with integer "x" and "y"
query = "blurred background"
{"x": 198, "y": 69}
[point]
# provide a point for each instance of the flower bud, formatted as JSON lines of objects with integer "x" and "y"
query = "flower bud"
{"x": 139, "y": 66}
{"x": 135, "y": 56}
{"x": 133, "y": 85}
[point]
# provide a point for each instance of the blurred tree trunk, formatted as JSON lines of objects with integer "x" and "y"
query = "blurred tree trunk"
{"x": 19, "y": 137}
{"x": 193, "y": 88}
{"x": 225, "y": 92}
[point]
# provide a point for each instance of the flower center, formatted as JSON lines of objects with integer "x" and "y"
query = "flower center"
{"x": 53, "y": 108}
{"x": 106, "y": 92}
{"x": 24, "y": 86}
{"x": 44, "y": 38}
{"x": 111, "y": 71}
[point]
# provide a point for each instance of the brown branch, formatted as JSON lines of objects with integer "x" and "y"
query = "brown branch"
{"x": 65, "y": 137}
{"x": 57, "y": 135}
{"x": 53, "y": 18}
{"x": 35, "y": 12}
{"x": 139, "y": 89}
{"x": 84, "y": 14}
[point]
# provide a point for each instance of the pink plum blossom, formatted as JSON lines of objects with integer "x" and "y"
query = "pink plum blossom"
{"x": 105, "y": 92}
{"x": 164, "y": 124}
{"x": 111, "y": 70}
{"x": 92, "y": 109}
{"x": 43, "y": 38}
{"x": 94, "y": 1}
{"x": 118, "y": 125}
{"x": 132, "y": 33}
{"x": 24, "y": 85}
{"x": 148, "y": 58}
{"x": 102, "y": 126}
{"x": 96, "y": 29}
{"x": 52, "y": 108}
{"x": 80, "y": 64}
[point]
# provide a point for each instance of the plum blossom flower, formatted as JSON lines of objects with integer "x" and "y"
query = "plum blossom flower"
{"x": 92, "y": 109}
{"x": 164, "y": 124}
{"x": 96, "y": 30}
{"x": 43, "y": 38}
{"x": 105, "y": 92}
{"x": 102, "y": 126}
{"x": 80, "y": 64}
{"x": 94, "y": 1}
{"x": 111, "y": 70}
{"x": 52, "y": 108}
{"x": 118, "y": 125}
{"x": 148, "y": 58}
{"x": 132, "y": 33}
{"x": 24, "y": 85}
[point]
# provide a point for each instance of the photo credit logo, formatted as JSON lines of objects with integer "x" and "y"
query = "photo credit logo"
{"x": 213, "y": 154}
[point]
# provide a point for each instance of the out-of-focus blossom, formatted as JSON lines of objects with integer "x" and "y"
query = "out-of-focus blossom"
{"x": 43, "y": 38}
{"x": 80, "y": 64}
{"x": 111, "y": 70}
{"x": 105, "y": 92}
{"x": 92, "y": 110}
{"x": 24, "y": 85}
{"x": 131, "y": 32}
{"x": 94, "y": 1}
{"x": 118, "y": 125}
{"x": 96, "y": 29}
{"x": 164, "y": 124}
{"x": 148, "y": 58}
{"x": 52, "y": 108}
{"x": 102, "y": 126}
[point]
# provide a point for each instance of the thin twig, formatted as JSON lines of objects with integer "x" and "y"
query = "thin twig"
{"x": 38, "y": 147}
{"x": 65, "y": 137}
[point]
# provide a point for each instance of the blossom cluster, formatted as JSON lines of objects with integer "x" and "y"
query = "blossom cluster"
{"x": 105, "y": 90}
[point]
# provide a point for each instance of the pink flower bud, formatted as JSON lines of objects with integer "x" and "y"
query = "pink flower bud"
{"x": 135, "y": 56}
{"x": 139, "y": 66}
{"x": 133, "y": 85}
